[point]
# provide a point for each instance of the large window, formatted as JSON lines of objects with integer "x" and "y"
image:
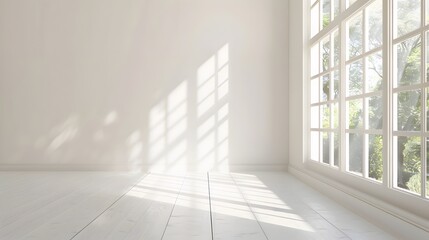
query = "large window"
{"x": 369, "y": 90}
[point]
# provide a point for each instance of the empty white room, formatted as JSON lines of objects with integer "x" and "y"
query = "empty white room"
{"x": 214, "y": 119}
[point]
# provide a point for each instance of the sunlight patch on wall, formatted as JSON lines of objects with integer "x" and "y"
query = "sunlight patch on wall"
{"x": 110, "y": 118}
{"x": 135, "y": 149}
{"x": 167, "y": 129}
{"x": 63, "y": 133}
{"x": 212, "y": 112}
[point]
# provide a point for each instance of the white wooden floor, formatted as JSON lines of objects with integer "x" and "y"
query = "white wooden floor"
{"x": 92, "y": 206}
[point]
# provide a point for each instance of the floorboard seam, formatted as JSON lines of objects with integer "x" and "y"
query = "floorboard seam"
{"x": 172, "y": 210}
{"x": 210, "y": 205}
{"x": 345, "y": 234}
{"x": 250, "y": 208}
{"x": 108, "y": 207}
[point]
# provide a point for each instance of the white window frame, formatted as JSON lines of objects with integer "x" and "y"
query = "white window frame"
{"x": 387, "y": 93}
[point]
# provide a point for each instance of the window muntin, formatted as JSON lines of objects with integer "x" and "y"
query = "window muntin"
{"x": 347, "y": 84}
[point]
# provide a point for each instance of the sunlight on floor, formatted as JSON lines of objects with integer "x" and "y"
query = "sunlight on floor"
{"x": 241, "y": 196}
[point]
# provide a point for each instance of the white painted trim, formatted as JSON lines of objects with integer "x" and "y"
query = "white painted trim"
{"x": 123, "y": 167}
{"x": 69, "y": 167}
{"x": 381, "y": 213}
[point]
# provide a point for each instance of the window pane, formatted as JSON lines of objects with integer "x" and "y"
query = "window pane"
{"x": 315, "y": 90}
{"x": 326, "y": 147}
{"x": 407, "y": 16}
{"x": 375, "y": 112}
{"x": 375, "y": 24}
{"x": 326, "y": 88}
{"x": 326, "y": 114}
{"x": 354, "y": 110}
{"x": 375, "y": 157}
{"x": 409, "y": 163}
{"x": 355, "y": 152}
{"x": 427, "y": 11}
{"x": 374, "y": 73}
{"x": 355, "y": 78}
{"x": 336, "y": 7}
{"x": 427, "y": 167}
{"x": 336, "y": 149}
{"x": 408, "y": 65}
{"x": 315, "y": 20}
{"x": 326, "y": 12}
{"x": 337, "y": 46}
{"x": 315, "y": 117}
{"x": 315, "y": 146}
{"x": 326, "y": 53}
{"x": 409, "y": 110}
{"x": 315, "y": 60}
{"x": 336, "y": 82}
{"x": 427, "y": 56}
{"x": 354, "y": 43}
{"x": 427, "y": 109}
{"x": 335, "y": 115}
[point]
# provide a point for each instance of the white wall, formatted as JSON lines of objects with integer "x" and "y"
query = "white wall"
{"x": 107, "y": 84}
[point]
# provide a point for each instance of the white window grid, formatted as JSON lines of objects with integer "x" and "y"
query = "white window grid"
{"x": 388, "y": 132}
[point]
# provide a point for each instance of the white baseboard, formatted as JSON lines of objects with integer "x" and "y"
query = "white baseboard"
{"x": 258, "y": 168}
{"x": 69, "y": 167}
{"x": 402, "y": 224}
{"x": 122, "y": 167}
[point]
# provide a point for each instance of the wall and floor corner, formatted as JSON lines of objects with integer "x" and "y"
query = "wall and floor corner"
{"x": 159, "y": 85}
{"x": 373, "y": 201}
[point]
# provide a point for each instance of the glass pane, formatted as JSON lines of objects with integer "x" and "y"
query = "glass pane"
{"x": 336, "y": 82}
{"x": 409, "y": 110}
{"x": 326, "y": 147}
{"x": 375, "y": 24}
{"x": 375, "y": 112}
{"x": 354, "y": 43}
{"x": 315, "y": 60}
{"x": 315, "y": 146}
{"x": 326, "y": 12}
{"x": 427, "y": 109}
{"x": 336, "y": 149}
{"x": 375, "y": 157}
{"x": 326, "y": 53}
{"x": 427, "y": 12}
{"x": 337, "y": 46}
{"x": 408, "y": 66}
{"x": 315, "y": 20}
{"x": 355, "y": 152}
{"x": 427, "y": 56}
{"x": 315, "y": 90}
{"x": 374, "y": 73}
{"x": 355, "y": 78}
{"x": 335, "y": 115}
{"x": 409, "y": 163}
{"x": 315, "y": 117}
{"x": 427, "y": 167}
{"x": 326, "y": 114}
{"x": 336, "y": 7}
{"x": 326, "y": 88}
{"x": 354, "y": 110}
{"x": 407, "y": 16}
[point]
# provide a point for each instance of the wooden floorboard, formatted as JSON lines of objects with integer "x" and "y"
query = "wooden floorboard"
{"x": 63, "y": 216}
{"x": 232, "y": 217}
{"x": 157, "y": 206}
{"x": 190, "y": 219}
{"x": 142, "y": 213}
